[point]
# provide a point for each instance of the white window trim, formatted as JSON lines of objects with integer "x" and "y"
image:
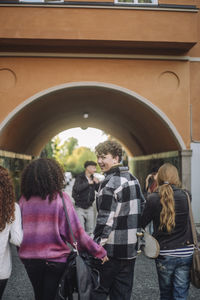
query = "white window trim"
{"x": 41, "y": 1}
{"x": 154, "y": 2}
{"x": 35, "y": 1}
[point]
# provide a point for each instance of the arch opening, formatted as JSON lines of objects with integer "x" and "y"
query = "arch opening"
{"x": 139, "y": 125}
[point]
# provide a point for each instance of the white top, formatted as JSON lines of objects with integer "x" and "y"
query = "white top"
{"x": 12, "y": 233}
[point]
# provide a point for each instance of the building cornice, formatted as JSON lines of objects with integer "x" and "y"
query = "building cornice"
{"x": 100, "y": 56}
{"x": 105, "y": 5}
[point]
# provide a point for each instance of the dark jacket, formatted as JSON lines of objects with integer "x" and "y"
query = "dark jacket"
{"x": 83, "y": 192}
{"x": 181, "y": 235}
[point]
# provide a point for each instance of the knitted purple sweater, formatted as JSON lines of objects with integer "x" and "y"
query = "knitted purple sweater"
{"x": 46, "y": 230}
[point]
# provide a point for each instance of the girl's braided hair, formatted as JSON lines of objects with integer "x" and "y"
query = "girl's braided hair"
{"x": 7, "y": 199}
{"x": 42, "y": 177}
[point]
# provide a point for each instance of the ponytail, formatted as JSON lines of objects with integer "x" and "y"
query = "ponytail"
{"x": 167, "y": 215}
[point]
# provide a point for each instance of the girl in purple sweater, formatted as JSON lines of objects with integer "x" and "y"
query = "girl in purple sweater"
{"x": 44, "y": 250}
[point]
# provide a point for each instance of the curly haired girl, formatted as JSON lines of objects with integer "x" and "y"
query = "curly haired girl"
{"x": 44, "y": 249}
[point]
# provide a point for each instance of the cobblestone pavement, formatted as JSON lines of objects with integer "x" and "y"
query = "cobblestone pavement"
{"x": 145, "y": 282}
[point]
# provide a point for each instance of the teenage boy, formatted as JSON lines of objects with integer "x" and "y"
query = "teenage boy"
{"x": 83, "y": 193}
{"x": 119, "y": 205}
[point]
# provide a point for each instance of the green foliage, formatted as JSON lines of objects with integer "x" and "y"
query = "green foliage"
{"x": 75, "y": 162}
{"x": 72, "y": 159}
{"x": 61, "y": 152}
{"x": 71, "y": 144}
{"x": 48, "y": 150}
{"x": 145, "y": 1}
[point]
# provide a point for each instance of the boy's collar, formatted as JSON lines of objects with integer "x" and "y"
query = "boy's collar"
{"x": 116, "y": 166}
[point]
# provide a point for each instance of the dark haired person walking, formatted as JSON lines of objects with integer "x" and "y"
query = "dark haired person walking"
{"x": 44, "y": 250}
{"x": 83, "y": 193}
{"x": 119, "y": 205}
{"x": 10, "y": 226}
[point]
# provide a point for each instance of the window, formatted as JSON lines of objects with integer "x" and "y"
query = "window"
{"x": 137, "y": 1}
{"x": 31, "y": 1}
{"x": 41, "y": 1}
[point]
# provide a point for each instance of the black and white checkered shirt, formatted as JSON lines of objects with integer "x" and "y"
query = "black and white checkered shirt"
{"x": 119, "y": 206}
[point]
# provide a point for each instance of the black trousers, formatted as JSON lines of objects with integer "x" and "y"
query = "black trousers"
{"x": 116, "y": 279}
{"x": 3, "y": 283}
{"x": 44, "y": 276}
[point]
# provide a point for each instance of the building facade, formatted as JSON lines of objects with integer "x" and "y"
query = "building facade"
{"x": 132, "y": 66}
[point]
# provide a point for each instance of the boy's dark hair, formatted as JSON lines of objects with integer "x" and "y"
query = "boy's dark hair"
{"x": 111, "y": 147}
{"x": 42, "y": 177}
{"x": 89, "y": 163}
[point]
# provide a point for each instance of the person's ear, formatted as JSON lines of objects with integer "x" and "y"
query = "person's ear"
{"x": 116, "y": 159}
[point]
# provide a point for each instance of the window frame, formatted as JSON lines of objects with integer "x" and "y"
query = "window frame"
{"x": 41, "y": 1}
{"x": 135, "y": 2}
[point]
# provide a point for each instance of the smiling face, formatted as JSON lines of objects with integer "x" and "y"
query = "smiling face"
{"x": 107, "y": 161}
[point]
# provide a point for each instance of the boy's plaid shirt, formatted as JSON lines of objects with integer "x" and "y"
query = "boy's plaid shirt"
{"x": 119, "y": 206}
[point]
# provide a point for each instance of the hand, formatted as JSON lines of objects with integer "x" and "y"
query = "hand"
{"x": 95, "y": 180}
{"x": 104, "y": 259}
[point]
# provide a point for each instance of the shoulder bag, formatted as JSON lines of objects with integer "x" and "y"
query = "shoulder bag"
{"x": 195, "y": 270}
{"x": 148, "y": 244}
{"x": 79, "y": 275}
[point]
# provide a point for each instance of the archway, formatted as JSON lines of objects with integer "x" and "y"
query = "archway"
{"x": 138, "y": 124}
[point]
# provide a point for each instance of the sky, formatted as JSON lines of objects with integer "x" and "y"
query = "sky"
{"x": 89, "y": 137}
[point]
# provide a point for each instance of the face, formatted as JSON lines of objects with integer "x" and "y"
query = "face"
{"x": 106, "y": 161}
{"x": 91, "y": 169}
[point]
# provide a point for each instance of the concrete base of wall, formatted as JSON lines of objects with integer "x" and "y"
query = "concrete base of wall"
{"x": 186, "y": 156}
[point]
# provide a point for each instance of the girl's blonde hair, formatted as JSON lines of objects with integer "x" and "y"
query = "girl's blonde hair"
{"x": 167, "y": 175}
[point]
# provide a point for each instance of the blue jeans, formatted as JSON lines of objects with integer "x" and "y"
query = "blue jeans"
{"x": 173, "y": 277}
{"x": 116, "y": 279}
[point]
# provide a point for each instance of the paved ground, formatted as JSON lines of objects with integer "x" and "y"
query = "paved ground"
{"x": 145, "y": 282}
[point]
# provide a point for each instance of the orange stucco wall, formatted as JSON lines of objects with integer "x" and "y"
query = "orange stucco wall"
{"x": 164, "y": 83}
{"x": 97, "y": 24}
{"x": 180, "y": 2}
{"x": 195, "y": 99}
{"x": 153, "y": 36}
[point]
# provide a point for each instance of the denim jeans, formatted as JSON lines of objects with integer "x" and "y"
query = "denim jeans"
{"x": 116, "y": 279}
{"x": 44, "y": 276}
{"x": 173, "y": 277}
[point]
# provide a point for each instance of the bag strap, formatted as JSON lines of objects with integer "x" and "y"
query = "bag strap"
{"x": 194, "y": 234}
{"x": 68, "y": 221}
